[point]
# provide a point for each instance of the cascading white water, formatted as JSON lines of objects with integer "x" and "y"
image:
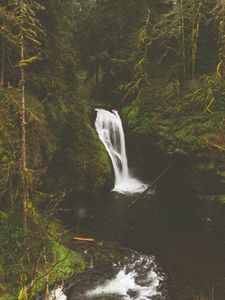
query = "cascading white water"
{"x": 136, "y": 279}
{"x": 57, "y": 294}
{"x": 110, "y": 130}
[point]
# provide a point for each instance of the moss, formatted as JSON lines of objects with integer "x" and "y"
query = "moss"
{"x": 80, "y": 161}
{"x": 58, "y": 263}
{"x": 220, "y": 199}
{"x": 64, "y": 262}
{"x": 6, "y": 297}
{"x": 99, "y": 171}
{"x": 130, "y": 114}
{"x": 70, "y": 263}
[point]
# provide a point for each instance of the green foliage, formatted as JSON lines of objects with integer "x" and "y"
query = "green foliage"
{"x": 71, "y": 262}
{"x": 58, "y": 262}
{"x": 11, "y": 247}
{"x": 41, "y": 257}
{"x": 131, "y": 115}
{"x": 192, "y": 121}
{"x": 38, "y": 143}
{"x": 79, "y": 161}
{"x": 220, "y": 199}
{"x": 207, "y": 96}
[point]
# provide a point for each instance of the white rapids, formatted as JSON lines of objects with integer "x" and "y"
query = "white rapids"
{"x": 110, "y": 130}
{"x": 135, "y": 281}
{"x": 57, "y": 294}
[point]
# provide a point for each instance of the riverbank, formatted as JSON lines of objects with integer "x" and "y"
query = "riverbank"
{"x": 47, "y": 260}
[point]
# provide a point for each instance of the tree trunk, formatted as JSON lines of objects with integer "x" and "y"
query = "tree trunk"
{"x": 2, "y": 55}
{"x": 97, "y": 78}
{"x": 146, "y": 62}
{"x": 23, "y": 129}
{"x": 188, "y": 67}
{"x": 23, "y": 137}
{"x": 183, "y": 44}
{"x": 195, "y": 37}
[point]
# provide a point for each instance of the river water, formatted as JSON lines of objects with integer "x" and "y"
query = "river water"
{"x": 162, "y": 228}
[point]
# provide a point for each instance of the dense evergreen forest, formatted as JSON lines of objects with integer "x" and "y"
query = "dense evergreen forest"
{"x": 160, "y": 62}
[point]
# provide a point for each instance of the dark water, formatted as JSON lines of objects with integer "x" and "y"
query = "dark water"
{"x": 165, "y": 225}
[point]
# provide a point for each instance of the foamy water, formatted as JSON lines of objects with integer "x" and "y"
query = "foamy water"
{"x": 58, "y": 294}
{"x": 137, "y": 280}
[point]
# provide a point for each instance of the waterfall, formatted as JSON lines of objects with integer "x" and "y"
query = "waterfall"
{"x": 110, "y": 130}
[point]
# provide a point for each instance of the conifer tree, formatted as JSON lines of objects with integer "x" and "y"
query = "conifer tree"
{"x": 28, "y": 30}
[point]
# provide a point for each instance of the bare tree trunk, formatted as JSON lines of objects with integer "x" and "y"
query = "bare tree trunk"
{"x": 183, "y": 44}
{"x": 2, "y": 56}
{"x": 23, "y": 129}
{"x": 23, "y": 137}
{"x": 195, "y": 37}
{"x": 188, "y": 67}
{"x": 97, "y": 78}
{"x": 194, "y": 55}
{"x": 146, "y": 62}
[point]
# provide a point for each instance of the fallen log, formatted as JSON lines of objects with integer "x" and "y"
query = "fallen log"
{"x": 76, "y": 238}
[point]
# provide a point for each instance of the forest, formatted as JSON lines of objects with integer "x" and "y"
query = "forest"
{"x": 160, "y": 63}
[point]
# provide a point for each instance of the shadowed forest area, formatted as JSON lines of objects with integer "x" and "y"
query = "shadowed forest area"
{"x": 159, "y": 62}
